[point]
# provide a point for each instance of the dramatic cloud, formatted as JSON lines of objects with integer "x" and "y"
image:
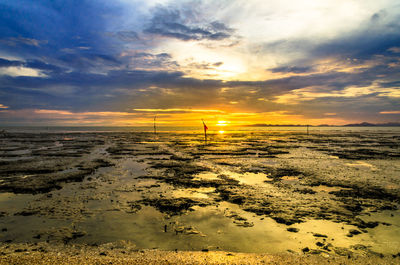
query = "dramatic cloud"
{"x": 122, "y": 62}
{"x": 179, "y": 110}
{"x": 390, "y": 112}
{"x": 174, "y": 23}
{"x": 12, "y": 41}
{"x": 7, "y": 63}
{"x": 292, "y": 69}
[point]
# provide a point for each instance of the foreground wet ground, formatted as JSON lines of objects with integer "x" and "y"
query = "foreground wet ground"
{"x": 267, "y": 192}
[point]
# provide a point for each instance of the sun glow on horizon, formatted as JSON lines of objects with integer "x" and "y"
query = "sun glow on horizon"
{"x": 222, "y": 123}
{"x": 221, "y": 119}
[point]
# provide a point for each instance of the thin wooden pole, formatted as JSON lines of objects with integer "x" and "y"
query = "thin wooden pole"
{"x": 205, "y": 131}
{"x": 155, "y": 130}
{"x": 205, "y": 135}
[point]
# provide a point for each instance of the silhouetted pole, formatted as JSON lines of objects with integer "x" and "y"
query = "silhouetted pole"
{"x": 205, "y": 132}
{"x": 307, "y": 128}
{"x": 155, "y": 130}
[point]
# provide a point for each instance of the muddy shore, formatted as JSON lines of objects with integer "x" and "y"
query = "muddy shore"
{"x": 333, "y": 194}
{"x": 43, "y": 253}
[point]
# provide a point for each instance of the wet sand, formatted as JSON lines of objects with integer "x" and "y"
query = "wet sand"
{"x": 329, "y": 194}
{"x": 113, "y": 254}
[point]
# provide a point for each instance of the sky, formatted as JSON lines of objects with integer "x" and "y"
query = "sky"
{"x": 229, "y": 62}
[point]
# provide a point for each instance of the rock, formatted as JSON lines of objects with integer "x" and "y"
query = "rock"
{"x": 243, "y": 223}
{"x": 353, "y": 232}
{"x": 315, "y": 251}
{"x": 343, "y": 251}
{"x": 179, "y": 229}
{"x": 359, "y": 247}
{"x": 319, "y": 235}
{"x": 293, "y": 229}
{"x": 327, "y": 247}
{"x": 191, "y": 231}
{"x": 305, "y": 250}
{"x": 286, "y": 221}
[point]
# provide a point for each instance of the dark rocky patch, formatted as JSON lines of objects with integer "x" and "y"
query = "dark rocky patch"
{"x": 353, "y": 232}
{"x": 305, "y": 191}
{"x": 45, "y": 182}
{"x": 134, "y": 207}
{"x": 173, "y": 206}
{"x": 361, "y": 154}
{"x": 319, "y": 235}
{"x": 292, "y": 229}
{"x": 278, "y": 173}
{"x": 367, "y": 192}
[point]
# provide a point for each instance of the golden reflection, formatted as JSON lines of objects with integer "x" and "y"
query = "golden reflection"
{"x": 221, "y": 132}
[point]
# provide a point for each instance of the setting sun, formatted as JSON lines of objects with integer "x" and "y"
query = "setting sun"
{"x": 222, "y": 123}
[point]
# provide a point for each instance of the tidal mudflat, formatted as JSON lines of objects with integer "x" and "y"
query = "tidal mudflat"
{"x": 328, "y": 193}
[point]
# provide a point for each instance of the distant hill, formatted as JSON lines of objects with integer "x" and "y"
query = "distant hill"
{"x": 274, "y": 125}
{"x": 362, "y": 124}
{"x": 367, "y": 124}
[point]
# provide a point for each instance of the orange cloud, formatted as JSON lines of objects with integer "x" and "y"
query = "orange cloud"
{"x": 390, "y": 112}
{"x": 179, "y": 110}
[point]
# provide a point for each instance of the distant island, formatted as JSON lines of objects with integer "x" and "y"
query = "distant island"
{"x": 367, "y": 124}
{"x": 362, "y": 124}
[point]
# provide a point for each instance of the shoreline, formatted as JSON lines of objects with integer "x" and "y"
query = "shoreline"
{"x": 113, "y": 253}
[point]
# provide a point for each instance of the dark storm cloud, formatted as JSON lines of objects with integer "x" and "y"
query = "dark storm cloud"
{"x": 35, "y": 64}
{"x": 88, "y": 61}
{"x": 375, "y": 37}
{"x": 88, "y": 85}
{"x": 360, "y": 46}
{"x": 46, "y": 27}
{"x": 40, "y": 65}
{"x": 22, "y": 98}
{"x": 150, "y": 61}
{"x": 127, "y": 35}
{"x": 8, "y": 63}
{"x": 169, "y": 22}
{"x": 292, "y": 69}
{"x": 390, "y": 84}
{"x": 12, "y": 41}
